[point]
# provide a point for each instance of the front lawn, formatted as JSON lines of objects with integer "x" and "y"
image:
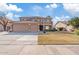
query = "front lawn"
{"x": 58, "y": 38}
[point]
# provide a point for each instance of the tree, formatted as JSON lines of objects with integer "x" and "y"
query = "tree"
{"x": 74, "y": 22}
{"x": 4, "y": 21}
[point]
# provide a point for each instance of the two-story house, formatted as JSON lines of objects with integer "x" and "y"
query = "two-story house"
{"x": 32, "y": 24}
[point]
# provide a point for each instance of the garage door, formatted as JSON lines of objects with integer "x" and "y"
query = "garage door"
{"x": 19, "y": 28}
{"x": 25, "y": 28}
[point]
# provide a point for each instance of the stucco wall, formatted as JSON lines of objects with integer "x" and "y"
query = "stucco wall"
{"x": 20, "y": 27}
{"x": 60, "y": 25}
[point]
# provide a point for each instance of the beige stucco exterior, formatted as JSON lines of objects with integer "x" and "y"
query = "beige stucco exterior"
{"x": 37, "y": 23}
{"x": 60, "y": 25}
{"x": 25, "y": 27}
{"x": 64, "y": 26}
{"x": 70, "y": 28}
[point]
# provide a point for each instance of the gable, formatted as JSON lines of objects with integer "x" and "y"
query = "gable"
{"x": 60, "y": 24}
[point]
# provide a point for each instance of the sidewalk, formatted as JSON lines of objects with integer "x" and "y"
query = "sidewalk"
{"x": 39, "y": 49}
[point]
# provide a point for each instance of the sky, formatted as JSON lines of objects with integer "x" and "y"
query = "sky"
{"x": 58, "y": 11}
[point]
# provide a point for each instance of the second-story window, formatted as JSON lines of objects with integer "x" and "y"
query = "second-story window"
{"x": 48, "y": 20}
{"x": 44, "y": 20}
{"x": 41, "y": 20}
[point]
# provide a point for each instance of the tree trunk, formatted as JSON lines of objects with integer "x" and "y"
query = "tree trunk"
{"x": 4, "y": 27}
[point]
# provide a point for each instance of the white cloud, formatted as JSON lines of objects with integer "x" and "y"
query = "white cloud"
{"x": 8, "y": 10}
{"x": 51, "y": 6}
{"x": 14, "y": 8}
{"x": 67, "y": 17}
{"x": 72, "y": 8}
{"x": 10, "y": 15}
{"x": 4, "y": 7}
{"x": 61, "y": 18}
{"x": 57, "y": 18}
{"x": 47, "y": 6}
{"x": 37, "y": 8}
{"x": 16, "y": 15}
{"x": 48, "y": 9}
{"x": 64, "y": 17}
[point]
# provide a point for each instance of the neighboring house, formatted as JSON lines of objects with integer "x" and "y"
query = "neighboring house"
{"x": 70, "y": 28}
{"x": 63, "y": 26}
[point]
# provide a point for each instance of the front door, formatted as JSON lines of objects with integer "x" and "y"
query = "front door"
{"x": 41, "y": 27}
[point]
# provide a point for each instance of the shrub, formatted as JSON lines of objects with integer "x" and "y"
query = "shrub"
{"x": 48, "y": 30}
{"x": 77, "y": 31}
{"x": 54, "y": 29}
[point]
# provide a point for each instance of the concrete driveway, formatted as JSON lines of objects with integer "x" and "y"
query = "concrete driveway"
{"x": 18, "y": 38}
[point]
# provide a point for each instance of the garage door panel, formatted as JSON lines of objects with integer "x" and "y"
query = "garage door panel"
{"x": 19, "y": 27}
{"x": 25, "y": 28}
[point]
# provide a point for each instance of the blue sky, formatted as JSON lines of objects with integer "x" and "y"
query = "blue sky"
{"x": 41, "y": 10}
{"x": 57, "y": 11}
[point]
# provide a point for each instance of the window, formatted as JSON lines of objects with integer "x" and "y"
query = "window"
{"x": 44, "y": 20}
{"x": 48, "y": 20}
{"x": 46, "y": 27}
